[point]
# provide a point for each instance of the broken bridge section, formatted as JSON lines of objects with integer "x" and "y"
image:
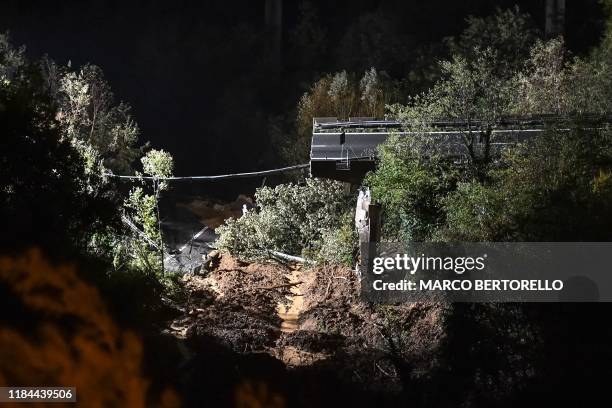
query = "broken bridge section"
{"x": 187, "y": 240}
{"x": 189, "y": 257}
{"x": 345, "y": 150}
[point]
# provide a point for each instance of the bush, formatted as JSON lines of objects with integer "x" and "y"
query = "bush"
{"x": 410, "y": 187}
{"x": 562, "y": 174}
{"x": 473, "y": 213}
{"x": 339, "y": 246}
{"x": 290, "y": 218}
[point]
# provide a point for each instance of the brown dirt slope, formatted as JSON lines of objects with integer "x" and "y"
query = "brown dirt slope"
{"x": 241, "y": 306}
{"x": 235, "y": 304}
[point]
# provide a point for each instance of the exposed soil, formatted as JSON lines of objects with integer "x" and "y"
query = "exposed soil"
{"x": 236, "y": 304}
{"x": 290, "y": 311}
{"x": 302, "y": 333}
{"x": 311, "y": 321}
{"x": 213, "y": 214}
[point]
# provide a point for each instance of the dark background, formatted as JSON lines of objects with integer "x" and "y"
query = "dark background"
{"x": 200, "y": 77}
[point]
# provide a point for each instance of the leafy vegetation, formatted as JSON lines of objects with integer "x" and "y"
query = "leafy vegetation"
{"x": 511, "y": 33}
{"x": 293, "y": 219}
{"x": 63, "y": 133}
{"x": 103, "y": 131}
{"x": 522, "y": 193}
{"x": 553, "y": 187}
{"x": 340, "y": 95}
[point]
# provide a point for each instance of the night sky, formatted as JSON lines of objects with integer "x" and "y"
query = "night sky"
{"x": 199, "y": 75}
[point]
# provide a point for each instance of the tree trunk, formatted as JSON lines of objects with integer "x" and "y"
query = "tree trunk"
{"x": 555, "y": 18}
{"x": 161, "y": 237}
{"x": 274, "y": 26}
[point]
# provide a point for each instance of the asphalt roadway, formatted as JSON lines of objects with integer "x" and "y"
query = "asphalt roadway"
{"x": 187, "y": 240}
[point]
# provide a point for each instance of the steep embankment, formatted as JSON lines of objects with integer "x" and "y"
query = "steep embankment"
{"x": 310, "y": 319}
{"x": 298, "y": 330}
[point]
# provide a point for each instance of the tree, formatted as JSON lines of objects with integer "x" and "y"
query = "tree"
{"x": 510, "y": 33}
{"x": 290, "y": 218}
{"x": 544, "y": 84}
{"x": 12, "y": 61}
{"x": 471, "y": 93}
{"x": 554, "y": 187}
{"x": 340, "y": 95}
{"x": 552, "y": 83}
{"x": 427, "y": 195}
{"x": 103, "y": 131}
{"x": 144, "y": 208}
{"x": 562, "y": 175}
{"x": 159, "y": 165}
{"x": 372, "y": 95}
{"x": 409, "y": 186}
{"x": 61, "y": 130}
{"x": 44, "y": 194}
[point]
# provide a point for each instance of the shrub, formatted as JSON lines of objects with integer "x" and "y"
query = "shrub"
{"x": 339, "y": 245}
{"x": 473, "y": 213}
{"x": 290, "y": 218}
{"x": 410, "y": 187}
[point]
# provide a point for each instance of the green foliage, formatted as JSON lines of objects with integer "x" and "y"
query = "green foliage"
{"x": 473, "y": 213}
{"x": 62, "y": 132}
{"x": 556, "y": 188}
{"x": 410, "y": 187}
{"x": 340, "y": 95}
{"x": 510, "y": 33}
{"x": 44, "y": 198}
{"x": 290, "y": 218}
{"x": 339, "y": 245}
{"x": 12, "y": 61}
{"x": 127, "y": 252}
{"x": 159, "y": 164}
{"x": 89, "y": 117}
{"x": 139, "y": 251}
{"x": 551, "y": 83}
{"x": 544, "y": 84}
{"x": 415, "y": 174}
{"x": 102, "y": 132}
{"x": 244, "y": 237}
{"x": 343, "y": 95}
{"x": 522, "y": 194}
{"x": 142, "y": 209}
{"x": 372, "y": 95}
{"x": 54, "y": 151}
{"x": 471, "y": 92}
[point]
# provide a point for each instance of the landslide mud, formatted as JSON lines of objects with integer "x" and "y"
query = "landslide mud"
{"x": 310, "y": 321}
{"x": 235, "y": 304}
{"x": 289, "y": 311}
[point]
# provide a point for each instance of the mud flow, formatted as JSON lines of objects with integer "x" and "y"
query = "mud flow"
{"x": 304, "y": 321}
{"x": 304, "y": 329}
{"x": 289, "y": 312}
